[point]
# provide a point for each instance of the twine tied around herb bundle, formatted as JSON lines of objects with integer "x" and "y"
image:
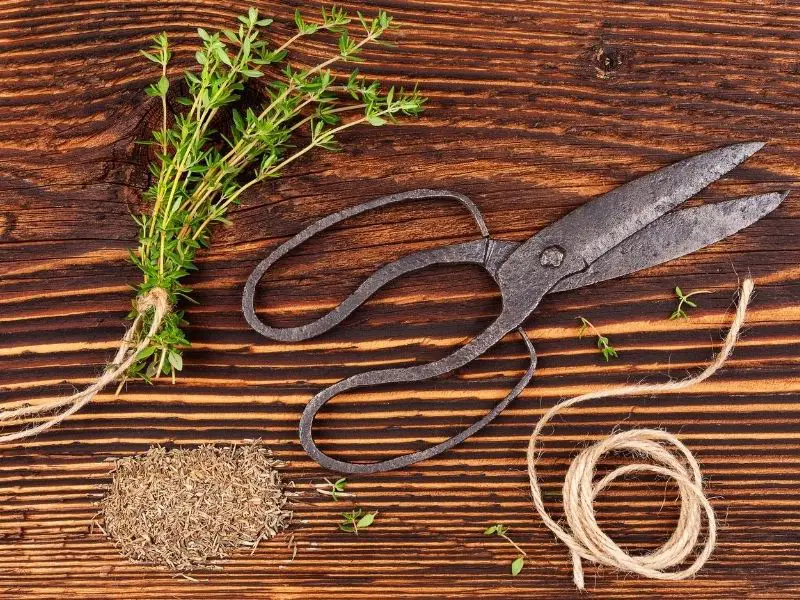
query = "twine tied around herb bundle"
{"x": 156, "y": 300}
{"x": 669, "y": 458}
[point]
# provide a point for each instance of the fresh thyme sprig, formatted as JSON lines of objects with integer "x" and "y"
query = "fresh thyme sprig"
{"x": 334, "y": 489}
{"x": 683, "y": 299}
{"x": 356, "y": 519}
{"x": 606, "y": 349}
{"x": 502, "y": 531}
{"x": 200, "y": 173}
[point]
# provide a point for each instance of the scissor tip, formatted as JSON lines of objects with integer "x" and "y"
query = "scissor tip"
{"x": 751, "y": 148}
{"x": 769, "y": 202}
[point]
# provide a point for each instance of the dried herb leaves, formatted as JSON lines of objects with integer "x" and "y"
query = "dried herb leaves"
{"x": 182, "y": 508}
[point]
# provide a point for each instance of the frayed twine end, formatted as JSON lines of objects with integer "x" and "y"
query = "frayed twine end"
{"x": 156, "y": 299}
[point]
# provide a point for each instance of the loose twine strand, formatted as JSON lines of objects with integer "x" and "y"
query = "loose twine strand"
{"x": 585, "y": 539}
{"x": 157, "y": 300}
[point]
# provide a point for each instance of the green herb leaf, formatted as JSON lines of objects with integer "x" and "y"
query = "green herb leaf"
{"x": 366, "y": 520}
{"x": 608, "y": 352}
{"x": 498, "y": 529}
{"x": 176, "y": 360}
{"x": 146, "y": 352}
{"x": 149, "y": 56}
{"x": 338, "y": 488}
{"x": 376, "y": 121}
{"x": 163, "y": 86}
{"x": 517, "y": 565}
{"x": 298, "y": 19}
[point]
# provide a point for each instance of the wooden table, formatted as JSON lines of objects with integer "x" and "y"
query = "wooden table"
{"x": 534, "y": 108}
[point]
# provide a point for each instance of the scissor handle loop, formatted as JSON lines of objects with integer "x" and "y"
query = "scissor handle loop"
{"x": 471, "y": 252}
{"x": 391, "y": 376}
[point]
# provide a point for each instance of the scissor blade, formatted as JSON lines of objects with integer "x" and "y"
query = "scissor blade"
{"x": 605, "y": 222}
{"x": 674, "y": 235}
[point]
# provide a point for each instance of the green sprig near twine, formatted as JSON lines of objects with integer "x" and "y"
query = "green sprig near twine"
{"x": 501, "y": 530}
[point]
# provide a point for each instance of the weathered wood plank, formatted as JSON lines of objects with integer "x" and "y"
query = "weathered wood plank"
{"x": 535, "y": 108}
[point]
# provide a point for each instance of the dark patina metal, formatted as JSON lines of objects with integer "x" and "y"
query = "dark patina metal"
{"x": 623, "y": 231}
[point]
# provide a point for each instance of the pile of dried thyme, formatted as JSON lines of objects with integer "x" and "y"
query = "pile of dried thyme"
{"x": 182, "y": 508}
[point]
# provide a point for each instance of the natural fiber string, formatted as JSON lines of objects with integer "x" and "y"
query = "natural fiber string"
{"x": 157, "y": 300}
{"x": 670, "y": 458}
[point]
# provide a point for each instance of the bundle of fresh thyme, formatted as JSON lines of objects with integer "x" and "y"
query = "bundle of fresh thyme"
{"x": 199, "y": 174}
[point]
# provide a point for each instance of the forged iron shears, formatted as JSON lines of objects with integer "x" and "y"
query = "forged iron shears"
{"x": 628, "y": 229}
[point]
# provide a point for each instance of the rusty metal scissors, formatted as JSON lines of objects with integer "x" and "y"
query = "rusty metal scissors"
{"x": 628, "y": 229}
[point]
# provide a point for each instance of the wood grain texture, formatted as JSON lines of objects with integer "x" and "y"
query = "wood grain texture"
{"x": 535, "y": 108}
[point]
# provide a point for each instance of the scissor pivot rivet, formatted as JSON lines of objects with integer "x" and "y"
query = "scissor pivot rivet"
{"x": 552, "y": 256}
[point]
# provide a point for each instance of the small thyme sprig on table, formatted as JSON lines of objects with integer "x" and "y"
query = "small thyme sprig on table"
{"x": 606, "y": 349}
{"x": 679, "y": 313}
{"x": 334, "y": 489}
{"x": 501, "y": 530}
{"x": 200, "y": 173}
{"x": 356, "y": 519}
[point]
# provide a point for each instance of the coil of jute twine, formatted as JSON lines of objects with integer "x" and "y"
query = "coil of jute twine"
{"x": 155, "y": 300}
{"x": 668, "y": 457}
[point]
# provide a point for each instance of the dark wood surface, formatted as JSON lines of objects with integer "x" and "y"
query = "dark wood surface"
{"x": 535, "y": 108}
